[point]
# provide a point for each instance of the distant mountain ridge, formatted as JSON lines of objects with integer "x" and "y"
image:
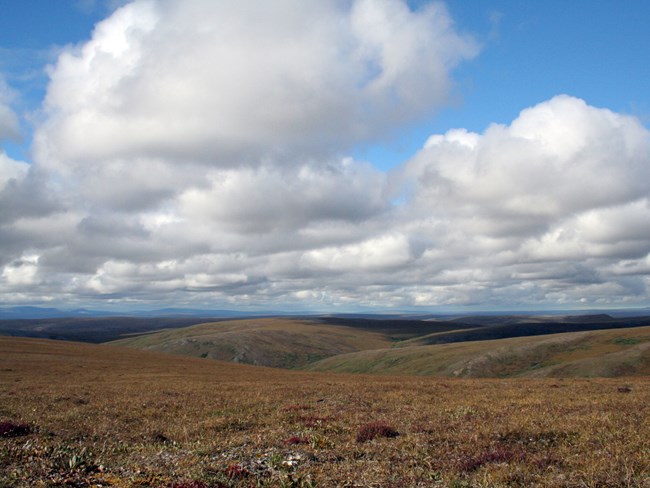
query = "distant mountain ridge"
{"x": 34, "y": 312}
{"x": 29, "y": 312}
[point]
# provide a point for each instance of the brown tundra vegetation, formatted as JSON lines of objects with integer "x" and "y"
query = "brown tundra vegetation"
{"x": 80, "y": 415}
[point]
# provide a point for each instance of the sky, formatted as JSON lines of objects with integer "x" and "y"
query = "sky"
{"x": 325, "y": 156}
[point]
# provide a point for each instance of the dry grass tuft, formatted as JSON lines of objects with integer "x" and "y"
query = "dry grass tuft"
{"x": 313, "y": 420}
{"x": 190, "y": 484}
{"x": 295, "y": 408}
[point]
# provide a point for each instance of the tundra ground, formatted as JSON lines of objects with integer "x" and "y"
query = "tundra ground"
{"x": 82, "y": 415}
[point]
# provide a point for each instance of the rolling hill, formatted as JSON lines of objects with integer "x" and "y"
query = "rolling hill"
{"x": 612, "y": 352}
{"x": 98, "y": 329}
{"x": 473, "y": 346}
{"x": 92, "y": 329}
{"x": 276, "y": 342}
{"x": 475, "y": 349}
{"x": 484, "y": 328}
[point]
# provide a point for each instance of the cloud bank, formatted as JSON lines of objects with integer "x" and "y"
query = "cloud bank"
{"x": 195, "y": 153}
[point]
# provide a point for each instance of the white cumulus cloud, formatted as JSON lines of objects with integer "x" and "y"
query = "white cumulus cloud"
{"x": 552, "y": 199}
{"x": 11, "y": 170}
{"x": 9, "y": 125}
{"x": 227, "y": 83}
{"x": 196, "y": 152}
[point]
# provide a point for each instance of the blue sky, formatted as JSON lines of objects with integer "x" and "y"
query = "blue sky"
{"x": 264, "y": 165}
{"x": 531, "y": 51}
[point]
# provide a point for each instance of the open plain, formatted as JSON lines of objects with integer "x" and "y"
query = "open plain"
{"x": 88, "y": 415}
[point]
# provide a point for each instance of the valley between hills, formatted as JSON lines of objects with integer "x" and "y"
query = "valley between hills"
{"x": 510, "y": 347}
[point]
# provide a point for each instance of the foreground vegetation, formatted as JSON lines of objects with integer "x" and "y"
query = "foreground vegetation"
{"x": 83, "y": 415}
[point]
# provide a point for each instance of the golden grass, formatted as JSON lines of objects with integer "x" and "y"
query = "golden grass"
{"x": 106, "y": 416}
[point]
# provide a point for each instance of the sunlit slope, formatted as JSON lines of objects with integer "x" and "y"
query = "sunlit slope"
{"x": 605, "y": 353}
{"x": 485, "y": 328}
{"x": 276, "y": 342}
{"x": 76, "y": 363}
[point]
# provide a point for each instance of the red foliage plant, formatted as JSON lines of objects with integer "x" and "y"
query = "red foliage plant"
{"x": 296, "y": 440}
{"x": 10, "y": 429}
{"x": 496, "y": 454}
{"x": 235, "y": 471}
{"x": 369, "y": 431}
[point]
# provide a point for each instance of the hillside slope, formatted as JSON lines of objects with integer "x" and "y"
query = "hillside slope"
{"x": 482, "y": 328}
{"x": 276, "y": 342}
{"x": 93, "y": 329}
{"x": 607, "y": 353}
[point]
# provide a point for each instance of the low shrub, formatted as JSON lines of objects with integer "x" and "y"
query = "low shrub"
{"x": 494, "y": 455}
{"x": 369, "y": 431}
{"x": 10, "y": 429}
{"x": 296, "y": 440}
{"x": 236, "y": 471}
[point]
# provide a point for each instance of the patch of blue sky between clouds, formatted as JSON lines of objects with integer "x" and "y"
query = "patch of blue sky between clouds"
{"x": 32, "y": 34}
{"x": 532, "y": 51}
